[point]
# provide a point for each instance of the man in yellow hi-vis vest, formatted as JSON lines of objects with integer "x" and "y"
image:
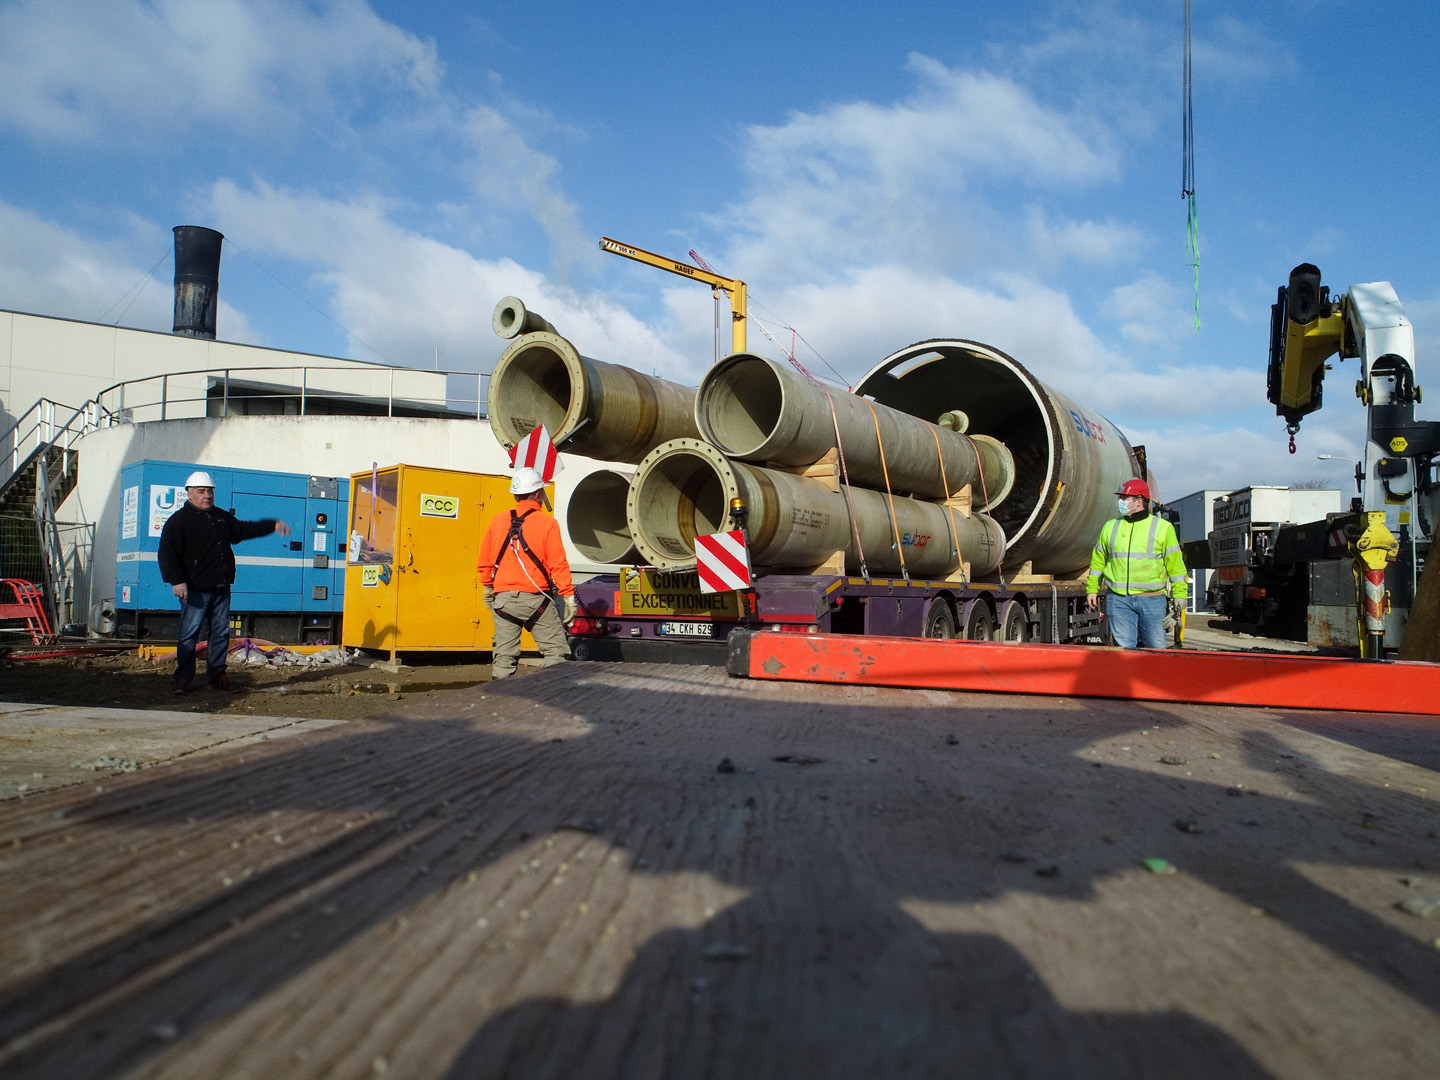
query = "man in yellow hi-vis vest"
{"x": 1138, "y": 558}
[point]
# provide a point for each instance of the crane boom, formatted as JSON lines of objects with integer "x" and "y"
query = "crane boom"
{"x": 731, "y": 286}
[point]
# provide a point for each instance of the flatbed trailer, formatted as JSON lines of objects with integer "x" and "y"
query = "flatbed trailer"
{"x": 644, "y": 614}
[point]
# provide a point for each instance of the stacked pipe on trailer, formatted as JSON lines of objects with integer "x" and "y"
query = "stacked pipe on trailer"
{"x": 759, "y": 411}
{"x": 1040, "y": 467}
{"x": 594, "y": 409}
{"x": 1069, "y": 460}
{"x": 595, "y": 518}
{"x": 683, "y": 490}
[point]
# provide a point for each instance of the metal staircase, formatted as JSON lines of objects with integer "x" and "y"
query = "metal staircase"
{"x": 38, "y": 470}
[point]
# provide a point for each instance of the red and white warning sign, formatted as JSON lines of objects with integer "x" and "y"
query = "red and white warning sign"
{"x": 722, "y": 561}
{"x": 537, "y": 451}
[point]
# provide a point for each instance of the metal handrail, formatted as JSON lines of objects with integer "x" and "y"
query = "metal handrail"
{"x": 44, "y": 432}
{"x": 304, "y": 391}
{"x": 20, "y": 441}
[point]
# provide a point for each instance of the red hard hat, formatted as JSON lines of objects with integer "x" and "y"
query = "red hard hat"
{"x": 1135, "y": 487}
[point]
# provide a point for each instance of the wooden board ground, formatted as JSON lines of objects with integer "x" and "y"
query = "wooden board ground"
{"x": 603, "y": 871}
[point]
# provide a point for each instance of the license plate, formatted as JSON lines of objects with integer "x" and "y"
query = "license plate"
{"x": 687, "y": 629}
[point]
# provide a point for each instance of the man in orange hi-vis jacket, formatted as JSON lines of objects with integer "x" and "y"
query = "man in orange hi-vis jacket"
{"x": 526, "y": 578}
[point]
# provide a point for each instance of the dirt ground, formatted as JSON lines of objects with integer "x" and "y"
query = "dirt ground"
{"x": 331, "y": 693}
{"x": 639, "y": 871}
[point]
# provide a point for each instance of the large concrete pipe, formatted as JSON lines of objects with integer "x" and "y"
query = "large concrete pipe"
{"x": 595, "y": 518}
{"x": 758, "y": 410}
{"x": 684, "y": 487}
{"x": 1069, "y": 460}
{"x": 591, "y": 408}
{"x": 511, "y": 319}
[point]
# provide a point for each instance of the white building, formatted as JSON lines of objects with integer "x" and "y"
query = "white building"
{"x": 104, "y": 396}
{"x": 1196, "y": 518}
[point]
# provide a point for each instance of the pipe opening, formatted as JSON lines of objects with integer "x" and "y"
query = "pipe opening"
{"x": 997, "y": 402}
{"x": 682, "y": 496}
{"x": 742, "y": 405}
{"x": 537, "y": 387}
{"x": 595, "y": 518}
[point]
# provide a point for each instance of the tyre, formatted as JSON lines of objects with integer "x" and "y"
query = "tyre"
{"x": 979, "y": 622}
{"x": 939, "y": 621}
{"x": 1014, "y": 626}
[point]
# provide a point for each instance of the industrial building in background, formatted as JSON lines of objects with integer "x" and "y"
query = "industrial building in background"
{"x": 80, "y": 402}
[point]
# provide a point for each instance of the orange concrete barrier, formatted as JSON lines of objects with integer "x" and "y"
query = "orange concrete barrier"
{"x": 1216, "y": 678}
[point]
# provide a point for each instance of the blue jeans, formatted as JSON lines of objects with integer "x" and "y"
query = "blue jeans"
{"x": 1129, "y": 614}
{"x": 210, "y": 612}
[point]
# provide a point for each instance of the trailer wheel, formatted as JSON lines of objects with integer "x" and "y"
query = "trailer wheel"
{"x": 939, "y": 621}
{"x": 979, "y": 622}
{"x": 1014, "y": 626}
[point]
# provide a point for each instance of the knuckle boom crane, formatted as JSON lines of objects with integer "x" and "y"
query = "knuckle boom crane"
{"x": 1399, "y": 493}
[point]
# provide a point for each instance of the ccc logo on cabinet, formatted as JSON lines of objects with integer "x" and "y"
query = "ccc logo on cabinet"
{"x": 441, "y": 506}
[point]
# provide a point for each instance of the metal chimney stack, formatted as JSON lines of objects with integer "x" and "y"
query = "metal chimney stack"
{"x": 197, "y": 280}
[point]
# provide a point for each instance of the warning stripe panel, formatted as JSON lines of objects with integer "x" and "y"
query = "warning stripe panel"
{"x": 721, "y": 562}
{"x": 537, "y": 451}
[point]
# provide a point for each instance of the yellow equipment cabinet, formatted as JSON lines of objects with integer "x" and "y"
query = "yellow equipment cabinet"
{"x": 410, "y": 578}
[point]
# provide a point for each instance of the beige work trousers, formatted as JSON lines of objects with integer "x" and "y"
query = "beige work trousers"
{"x": 535, "y": 612}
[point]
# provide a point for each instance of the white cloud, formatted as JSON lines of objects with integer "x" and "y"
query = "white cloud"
{"x": 879, "y": 310}
{"x": 404, "y": 293}
{"x": 862, "y": 181}
{"x": 1190, "y": 456}
{"x": 1086, "y": 242}
{"x": 1230, "y": 52}
{"x": 509, "y": 171}
{"x": 1152, "y": 312}
{"x": 1124, "y": 67}
{"x": 46, "y": 269}
{"x": 1424, "y": 315}
{"x": 124, "y": 70}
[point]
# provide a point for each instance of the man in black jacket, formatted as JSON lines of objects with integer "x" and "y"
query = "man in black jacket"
{"x": 196, "y": 561}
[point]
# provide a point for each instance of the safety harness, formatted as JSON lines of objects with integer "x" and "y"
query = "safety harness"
{"x": 515, "y": 536}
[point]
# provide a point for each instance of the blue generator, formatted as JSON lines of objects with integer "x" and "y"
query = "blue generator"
{"x": 288, "y": 589}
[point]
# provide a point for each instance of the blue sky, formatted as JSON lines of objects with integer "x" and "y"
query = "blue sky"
{"x": 878, "y": 174}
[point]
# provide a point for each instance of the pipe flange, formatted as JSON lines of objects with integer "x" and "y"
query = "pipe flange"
{"x": 502, "y": 389}
{"x": 648, "y": 503}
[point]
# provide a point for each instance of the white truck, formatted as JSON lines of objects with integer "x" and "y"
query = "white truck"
{"x": 1258, "y": 586}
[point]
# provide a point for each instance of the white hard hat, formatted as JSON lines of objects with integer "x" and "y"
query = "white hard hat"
{"x": 526, "y": 481}
{"x": 199, "y": 479}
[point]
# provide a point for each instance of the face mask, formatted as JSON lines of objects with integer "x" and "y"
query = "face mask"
{"x": 1123, "y": 505}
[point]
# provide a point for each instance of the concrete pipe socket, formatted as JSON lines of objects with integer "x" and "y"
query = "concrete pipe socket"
{"x": 590, "y": 408}
{"x": 511, "y": 319}
{"x": 684, "y": 487}
{"x": 760, "y": 411}
{"x": 1069, "y": 460}
{"x": 595, "y": 519}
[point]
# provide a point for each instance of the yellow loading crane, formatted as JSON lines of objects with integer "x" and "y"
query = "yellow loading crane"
{"x": 731, "y": 286}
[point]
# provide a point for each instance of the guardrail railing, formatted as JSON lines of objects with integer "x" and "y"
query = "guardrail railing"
{"x": 298, "y": 390}
{"x": 39, "y": 426}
